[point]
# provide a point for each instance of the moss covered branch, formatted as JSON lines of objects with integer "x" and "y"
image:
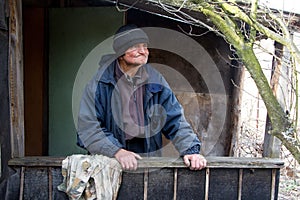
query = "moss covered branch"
{"x": 244, "y": 49}
{"x": 225, "y": 15}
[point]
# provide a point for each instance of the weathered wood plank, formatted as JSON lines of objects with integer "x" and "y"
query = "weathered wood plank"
{"x": 5, "y": 141}
{"x": 234, "y": 162}
{"x": 257, "y": 184}
{"x": 158, "y": 183}
{"x": 161, "y": 184}
{"x": 36, "y": 161}
{"x": 57, "y": 179}
{"x": 236, "y": 109}
{"x": 16, "y": 78}
{"x": 272, "y": 144}
{"x": 225, "y": 180}
{"x": 160, "y": 162}
{"x": 135, "y": 187}
{"x": 191, "y": 184}
{"x": 36, "y": 183}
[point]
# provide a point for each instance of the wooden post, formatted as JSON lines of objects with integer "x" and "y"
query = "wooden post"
{"x": 235, "y": 128}
{"x": 240, "y": 187}
{"x": 16, "y": 78}
{"x": 175, "y": 183}
{"x": 146, "y": 178}
{"x": 272, "y": 144}
{"x": 273, "y": 184}
{"x": 5, "y": 150}
{"x": 22, "y": 180}
{"x": 50, "y": 183}
{"x": 206, "y": 183}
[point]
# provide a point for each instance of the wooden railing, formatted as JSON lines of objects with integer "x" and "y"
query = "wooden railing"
{"x": 160, "y": 178}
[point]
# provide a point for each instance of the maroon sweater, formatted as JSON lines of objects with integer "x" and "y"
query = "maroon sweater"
{"x": 132, "y": 92}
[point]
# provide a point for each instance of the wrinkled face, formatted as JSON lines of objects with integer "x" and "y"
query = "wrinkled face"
{"x": 136, "y": 55}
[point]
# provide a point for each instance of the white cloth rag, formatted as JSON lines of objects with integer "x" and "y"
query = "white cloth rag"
{"x": 91, "y": 177}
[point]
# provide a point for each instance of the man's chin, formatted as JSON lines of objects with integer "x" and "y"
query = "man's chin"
{"x": 141, "y": 62}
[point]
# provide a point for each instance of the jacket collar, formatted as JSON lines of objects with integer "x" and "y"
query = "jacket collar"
{"x": 106, "y": 74}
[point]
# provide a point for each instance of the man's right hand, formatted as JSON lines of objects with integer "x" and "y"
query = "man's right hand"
{"x": 127, "y": 159}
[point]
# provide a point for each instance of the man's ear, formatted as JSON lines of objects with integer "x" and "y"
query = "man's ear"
{"x": 121, "y": 57}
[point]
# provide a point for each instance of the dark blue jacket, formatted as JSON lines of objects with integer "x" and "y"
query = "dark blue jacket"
{"x": 100, "y": 118}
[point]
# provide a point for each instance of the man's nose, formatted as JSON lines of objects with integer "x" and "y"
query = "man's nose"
{"x": 142, "y": 49}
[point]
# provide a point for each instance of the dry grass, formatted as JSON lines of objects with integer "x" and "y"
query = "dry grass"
{"x": 289, "y": 186}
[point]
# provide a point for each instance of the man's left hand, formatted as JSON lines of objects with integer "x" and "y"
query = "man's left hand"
{"x": 194, "y": 161}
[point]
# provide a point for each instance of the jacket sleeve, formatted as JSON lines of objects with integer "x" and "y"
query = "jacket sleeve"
{"x": 176, "y": 127}
{"x": 94, "y": 137}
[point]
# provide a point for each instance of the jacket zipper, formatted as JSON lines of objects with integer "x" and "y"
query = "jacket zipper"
{"x": 136, "y": 107}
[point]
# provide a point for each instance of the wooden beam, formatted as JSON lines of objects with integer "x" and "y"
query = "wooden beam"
{"x": 175, "y": 183}
{"x": 4, "y": 93}
{"x": 162, "y": 162}
{"x": 16, "y": 78}
{"x": 206, "y": 184}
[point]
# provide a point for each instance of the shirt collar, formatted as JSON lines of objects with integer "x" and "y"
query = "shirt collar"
{"x": 140, "y": 77}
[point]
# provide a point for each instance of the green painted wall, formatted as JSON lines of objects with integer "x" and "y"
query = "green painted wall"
{"x": 73, "y": 34}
